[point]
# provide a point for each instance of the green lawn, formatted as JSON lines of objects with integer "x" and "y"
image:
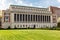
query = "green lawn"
{"x": 29, "y": 35}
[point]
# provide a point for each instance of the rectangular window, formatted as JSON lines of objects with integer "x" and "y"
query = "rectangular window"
{"x": 39, "y": 18}
{"x": 15, "y": 17}
{"x": 31, "y": 17}
{"x": 43, "y": 18}
{"x": 18, "y": 17}
{"x": 54, "y": 20}
{"x": 49, "y": 19}
{"x": 6, "y": 17}
{"x": 28, "y": 17}
{"x": 23, "y": 17}
{"x": 36, "y": 18}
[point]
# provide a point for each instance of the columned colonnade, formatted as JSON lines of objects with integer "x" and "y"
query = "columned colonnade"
{"x": 32, "y": 18}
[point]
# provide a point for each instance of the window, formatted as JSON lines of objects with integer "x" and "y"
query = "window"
{"x": 36, "y": 18}
{"x": 54, "y": 20}
{"x": 43, "y": 18}
{"x": 33, "y": 17}
{"x": 23, "y": 17}
{"x": 28, "y": 17}
{"x": 17, "y": 17}
{"x": 14, "y": 17}
{"x": 6, "y": 17}
{"x": 20, "y": 17}
{"x": 49, "y": 19}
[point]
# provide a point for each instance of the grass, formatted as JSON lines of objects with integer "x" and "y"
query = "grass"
{"x": 29, "y": 34}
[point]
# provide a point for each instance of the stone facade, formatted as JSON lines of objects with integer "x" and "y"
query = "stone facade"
{"x": 28, "y": 17}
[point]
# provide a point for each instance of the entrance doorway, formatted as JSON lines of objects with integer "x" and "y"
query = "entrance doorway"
{"x": 34, "y": 26}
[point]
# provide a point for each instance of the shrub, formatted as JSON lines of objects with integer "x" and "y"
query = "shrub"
{"x": 53, "y": 28}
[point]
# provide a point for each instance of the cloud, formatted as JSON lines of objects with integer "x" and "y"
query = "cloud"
{"x": 4, "y": 4}
{"x": 58, "y": 0}
{"x": 21, "y": 2}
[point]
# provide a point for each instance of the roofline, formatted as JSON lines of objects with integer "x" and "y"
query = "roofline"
{"x": 27, "y": 6}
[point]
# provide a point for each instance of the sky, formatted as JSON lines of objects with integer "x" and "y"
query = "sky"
{"x": 4, "y": 4}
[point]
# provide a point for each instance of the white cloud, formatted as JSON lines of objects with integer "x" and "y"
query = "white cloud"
{"x": 21, "y": 2}
{"x": 39, "y": 6}
{"x": 58, "y": 0}
{"x": 4, "y": 4}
